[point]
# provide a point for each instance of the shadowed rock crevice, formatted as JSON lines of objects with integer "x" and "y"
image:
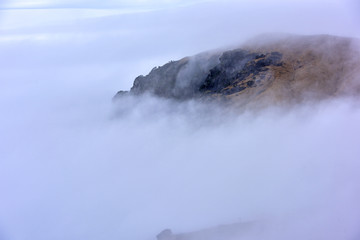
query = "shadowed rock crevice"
{"x": 235, "y": 68}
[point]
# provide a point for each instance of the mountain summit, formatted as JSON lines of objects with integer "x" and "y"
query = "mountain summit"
{"x": 267, "y": 69}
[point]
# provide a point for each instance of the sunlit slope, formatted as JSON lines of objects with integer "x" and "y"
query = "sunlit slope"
{"x": 283, "y": 69}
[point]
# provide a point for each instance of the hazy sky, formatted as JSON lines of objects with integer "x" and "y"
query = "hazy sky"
{"x": 97, "y": 4}
{"x": 70, "y": 170}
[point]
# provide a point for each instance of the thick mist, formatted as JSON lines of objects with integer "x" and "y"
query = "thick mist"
{"x": 74, "y": 165}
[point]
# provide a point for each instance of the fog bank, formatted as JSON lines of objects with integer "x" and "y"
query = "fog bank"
{"x": 75, "y": 166}
{"x": 80, "y": 176}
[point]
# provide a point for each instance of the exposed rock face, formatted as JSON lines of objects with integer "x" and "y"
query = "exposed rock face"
{"x": 280, "y": 70}
{"x": 233, "y": 73}
{"x": 177, "y": 79}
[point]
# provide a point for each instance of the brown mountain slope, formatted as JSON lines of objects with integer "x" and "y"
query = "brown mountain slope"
{"x": 313, "y": 68}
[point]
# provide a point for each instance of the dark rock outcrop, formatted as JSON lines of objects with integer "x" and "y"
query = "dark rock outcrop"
{"x": 232, "y": 74}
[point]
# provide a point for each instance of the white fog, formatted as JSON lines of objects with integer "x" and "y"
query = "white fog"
{"x": 75, "y": 165}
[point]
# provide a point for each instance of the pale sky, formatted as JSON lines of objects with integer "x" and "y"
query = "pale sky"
{"x": 95, "y": 4}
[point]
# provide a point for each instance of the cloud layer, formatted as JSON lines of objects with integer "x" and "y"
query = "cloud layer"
{"x": 72, "y": 167}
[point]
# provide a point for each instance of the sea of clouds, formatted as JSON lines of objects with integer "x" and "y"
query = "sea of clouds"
{"x": 75, "y": 165}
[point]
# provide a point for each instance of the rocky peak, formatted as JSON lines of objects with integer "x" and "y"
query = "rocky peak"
{"x": 289, "y": 69}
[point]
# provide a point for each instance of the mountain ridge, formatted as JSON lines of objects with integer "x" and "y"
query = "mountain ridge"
{"x": 265, "y": 70}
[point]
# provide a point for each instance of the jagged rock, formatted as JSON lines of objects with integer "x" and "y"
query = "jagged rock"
{"x": 120, "y": 94}
{"x": 235, "y": 68}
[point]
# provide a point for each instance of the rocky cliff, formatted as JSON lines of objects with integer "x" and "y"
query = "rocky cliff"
{"x": 267, "y": 69}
